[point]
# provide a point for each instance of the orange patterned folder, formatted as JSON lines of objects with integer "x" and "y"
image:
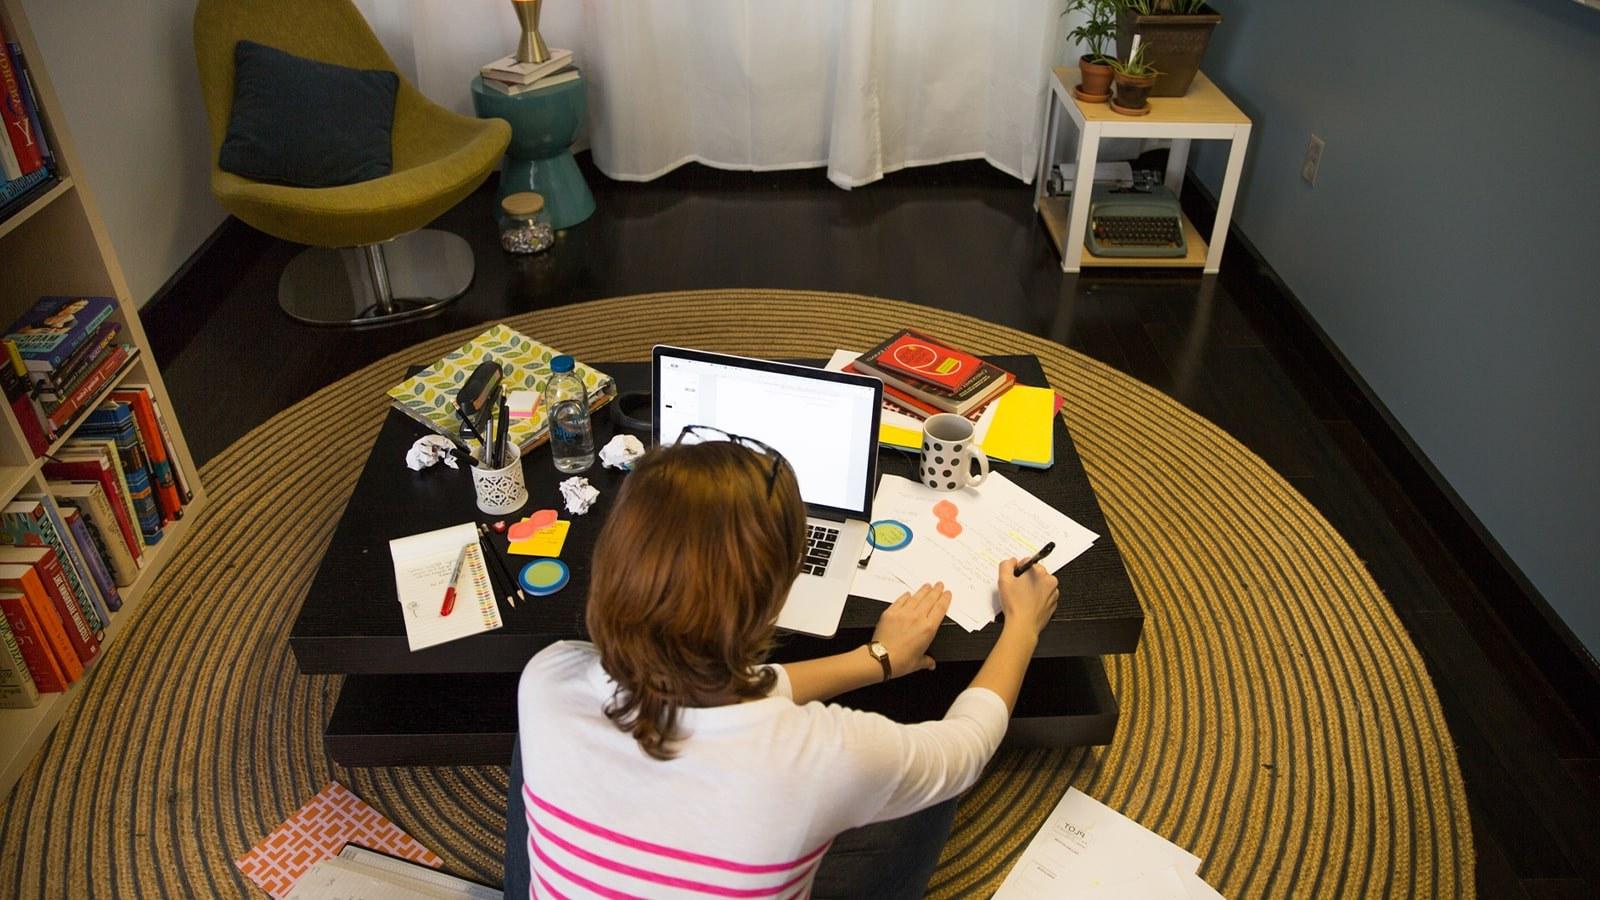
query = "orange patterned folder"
{"x": 332, "y": 819}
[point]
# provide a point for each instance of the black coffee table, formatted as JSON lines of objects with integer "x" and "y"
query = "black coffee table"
{"x": 455, "y": 704}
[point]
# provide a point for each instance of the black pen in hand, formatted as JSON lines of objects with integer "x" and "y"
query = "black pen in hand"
{"x": 1028, "y": 563}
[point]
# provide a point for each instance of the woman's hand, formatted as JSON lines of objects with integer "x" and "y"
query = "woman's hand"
{"x": 907, "y": 627}
{"x": 1027, "y": 600}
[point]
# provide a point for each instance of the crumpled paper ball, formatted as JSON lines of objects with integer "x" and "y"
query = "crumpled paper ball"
{"x": 579, "y": 494}
{"x": 620, "y": 452}
{"x": 430, "y": 450}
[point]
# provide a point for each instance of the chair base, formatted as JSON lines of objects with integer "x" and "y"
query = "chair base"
{"x": 414, "y": 275}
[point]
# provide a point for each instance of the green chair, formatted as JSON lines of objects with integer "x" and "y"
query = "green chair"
{"x": 369, "y": 261}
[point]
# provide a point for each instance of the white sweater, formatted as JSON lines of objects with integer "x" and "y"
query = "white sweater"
{"x": 753, "y": 798}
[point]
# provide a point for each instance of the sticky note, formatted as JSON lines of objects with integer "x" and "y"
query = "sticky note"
{"x": 521, "y": 404}
{"x": 527, "y": 527}
{"x": 547, "y": 541}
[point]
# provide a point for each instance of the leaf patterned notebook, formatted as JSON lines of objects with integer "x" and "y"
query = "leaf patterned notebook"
{"x": 430, "y": 395}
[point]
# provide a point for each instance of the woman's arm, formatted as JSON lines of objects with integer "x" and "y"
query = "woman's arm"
{"x": 906, "y": 628}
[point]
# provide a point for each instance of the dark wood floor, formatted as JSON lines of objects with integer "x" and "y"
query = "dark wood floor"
{"x": 964, "y": 237}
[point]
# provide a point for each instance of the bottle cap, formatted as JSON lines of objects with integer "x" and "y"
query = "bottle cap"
{"x": 524, "y": 203}
{"x": 562, "y": 363}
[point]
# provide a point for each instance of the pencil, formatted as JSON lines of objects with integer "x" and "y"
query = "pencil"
{"x": 505, "y": 574}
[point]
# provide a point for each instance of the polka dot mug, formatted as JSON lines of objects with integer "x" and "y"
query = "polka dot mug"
{"x": 949, "y": 447}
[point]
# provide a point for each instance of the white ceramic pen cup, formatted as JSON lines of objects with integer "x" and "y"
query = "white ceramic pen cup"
{"x": 949, "y": 447}
{"x": 503, "y": 490}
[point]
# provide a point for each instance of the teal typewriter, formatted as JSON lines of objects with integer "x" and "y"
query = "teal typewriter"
{"x": 1134, "y": 222}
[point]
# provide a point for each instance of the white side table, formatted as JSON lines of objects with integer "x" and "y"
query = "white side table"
{"x": 1204, "y": 113}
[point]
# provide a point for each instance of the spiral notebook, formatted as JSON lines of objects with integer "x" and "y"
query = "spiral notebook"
{"x": 422, "y": 567}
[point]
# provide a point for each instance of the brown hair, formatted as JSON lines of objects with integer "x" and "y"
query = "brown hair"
{"x": 689, "y": 573}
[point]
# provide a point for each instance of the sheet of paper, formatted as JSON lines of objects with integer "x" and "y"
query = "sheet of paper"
{"x": 316, "y": 831}
{"x": 547, "y": 541}
{"x": 422, "y": 566}
{"x": 1085, "y": 848}
{"x": 998, "y": 520}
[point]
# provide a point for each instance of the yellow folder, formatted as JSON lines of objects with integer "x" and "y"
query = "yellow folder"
{"x": 1023, "y": 428}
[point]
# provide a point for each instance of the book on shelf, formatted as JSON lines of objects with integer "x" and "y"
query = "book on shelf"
{"x": 978, "y": 388}
{"x": 180, "y": 478}
{"x": 141, "y": 403}
{"x": 49, "y": 674}
{"x": 30, "y": 99}
{"x": 53, "y": 387}
{"x": 429, "y": 397}
{"x": 89, "y": 498}
{"x": 91, "y": 462}
{"x": 16, "y": 193}
{"x": 135, "y": 492}
{"x": 14, "y": 383}
{"x": 508, "y": 70}
{"x": 111, "y": 362}
{"x": 48, "y": 333}
{"x": 30, "y": 522}
{"x": 30, "y": 578}
{"x": 24, "y": 140}
{"x": 17, "y": 690}
{"x": 94, "y": 555}
{"x": 10, "y": 166}
{"x": 113, "y": 421}
{"x": 563, "y": 76}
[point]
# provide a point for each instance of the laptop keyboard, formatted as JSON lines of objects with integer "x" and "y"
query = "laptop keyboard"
{"x": 819, "y": 548}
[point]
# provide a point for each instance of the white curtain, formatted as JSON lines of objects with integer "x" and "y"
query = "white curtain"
{"x": 863, "y": 87}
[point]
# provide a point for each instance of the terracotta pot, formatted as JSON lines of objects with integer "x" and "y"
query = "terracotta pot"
{"x": 1095, "y": 86}
{"x": 1133, "y": 92}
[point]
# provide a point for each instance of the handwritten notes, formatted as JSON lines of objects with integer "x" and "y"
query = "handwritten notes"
{"x": 422, "y": 567}
{"x": 998, "y": 520}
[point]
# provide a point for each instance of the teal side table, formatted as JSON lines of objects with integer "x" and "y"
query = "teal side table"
{"x": 539, "y": 159}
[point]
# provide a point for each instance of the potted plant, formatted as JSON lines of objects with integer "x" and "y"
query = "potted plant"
{"x": 1134, "y": 77}
{"x": 1180, "y": 29}
{"x": 1092, "y": 35}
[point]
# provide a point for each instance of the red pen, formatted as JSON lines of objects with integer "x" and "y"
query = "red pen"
{"x": 455, "y": 573}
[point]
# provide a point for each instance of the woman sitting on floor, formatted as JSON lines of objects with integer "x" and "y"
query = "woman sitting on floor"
{"x": 666, "y": 759}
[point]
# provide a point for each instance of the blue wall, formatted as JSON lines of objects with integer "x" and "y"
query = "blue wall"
{"x": 1451, "y": 246}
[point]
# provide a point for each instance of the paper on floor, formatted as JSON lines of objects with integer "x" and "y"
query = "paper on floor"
{"x": 1087, "y": 849}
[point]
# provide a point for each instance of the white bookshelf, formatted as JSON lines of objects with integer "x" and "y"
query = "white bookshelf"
{"x": 57, "y": 244}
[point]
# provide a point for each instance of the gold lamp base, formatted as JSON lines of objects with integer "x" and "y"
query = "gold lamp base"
{"x": 531, "y": 48}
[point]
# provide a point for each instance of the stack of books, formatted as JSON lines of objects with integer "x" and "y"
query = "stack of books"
{"x": 65, "y": 350}
{"x": 922, "y": 376}
{"x": 508, "y": 76}
{"x": 27, "y": 167}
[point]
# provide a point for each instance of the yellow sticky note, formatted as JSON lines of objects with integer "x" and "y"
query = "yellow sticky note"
{"x": 1023, "y": 426}
{"x": 896, "y": 436}
{"x": 547, "y": 541}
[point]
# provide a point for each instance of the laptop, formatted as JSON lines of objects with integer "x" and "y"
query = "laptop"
{"x": 824, "y": 423}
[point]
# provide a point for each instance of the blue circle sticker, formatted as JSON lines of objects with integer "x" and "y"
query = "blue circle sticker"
{"x": 543, "y": 577}
{"x": 889, "y": 534}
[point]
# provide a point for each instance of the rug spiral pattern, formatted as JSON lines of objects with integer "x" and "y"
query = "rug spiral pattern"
{"x": 1276, "y": 720}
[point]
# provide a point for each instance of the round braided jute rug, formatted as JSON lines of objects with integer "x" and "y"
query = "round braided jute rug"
{"x": 1276, "y": 720}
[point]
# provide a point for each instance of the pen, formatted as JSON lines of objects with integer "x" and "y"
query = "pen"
{"x": 1028, "y": 563}
{"x": 455, "y": 573}
{"x": 505, "y": 426}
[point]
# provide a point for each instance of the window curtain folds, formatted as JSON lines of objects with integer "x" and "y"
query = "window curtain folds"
{"x": 861, "y": 87}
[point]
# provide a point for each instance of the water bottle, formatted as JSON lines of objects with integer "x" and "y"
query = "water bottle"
{"x": 566, "y": 401}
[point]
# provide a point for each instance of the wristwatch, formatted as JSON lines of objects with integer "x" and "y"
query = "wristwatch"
{"x": 881, "y": 654}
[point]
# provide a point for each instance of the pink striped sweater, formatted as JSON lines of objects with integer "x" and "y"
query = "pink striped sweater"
{"x": 749, "y": 805}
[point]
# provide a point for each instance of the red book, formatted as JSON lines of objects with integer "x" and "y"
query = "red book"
{"x": 915, "y": 355}
{"x": 90, "y": 387}
{"x": 161, "y": 458}
{"x": 23, "y": 577}
{"x": 48, "y": 676}
{"x": 101, "y": 473}
{"x": 19, "y": 126}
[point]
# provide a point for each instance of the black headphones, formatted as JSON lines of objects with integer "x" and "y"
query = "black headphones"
{"x": 631, "y": 412}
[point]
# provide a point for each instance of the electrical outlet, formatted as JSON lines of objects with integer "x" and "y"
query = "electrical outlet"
{"x": 1308, "y": 169}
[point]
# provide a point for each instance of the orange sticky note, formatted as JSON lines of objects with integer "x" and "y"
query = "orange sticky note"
{"x": 547, "y": 541}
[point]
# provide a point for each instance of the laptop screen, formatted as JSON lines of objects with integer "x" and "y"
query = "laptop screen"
{"x": 824, "y": 423}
